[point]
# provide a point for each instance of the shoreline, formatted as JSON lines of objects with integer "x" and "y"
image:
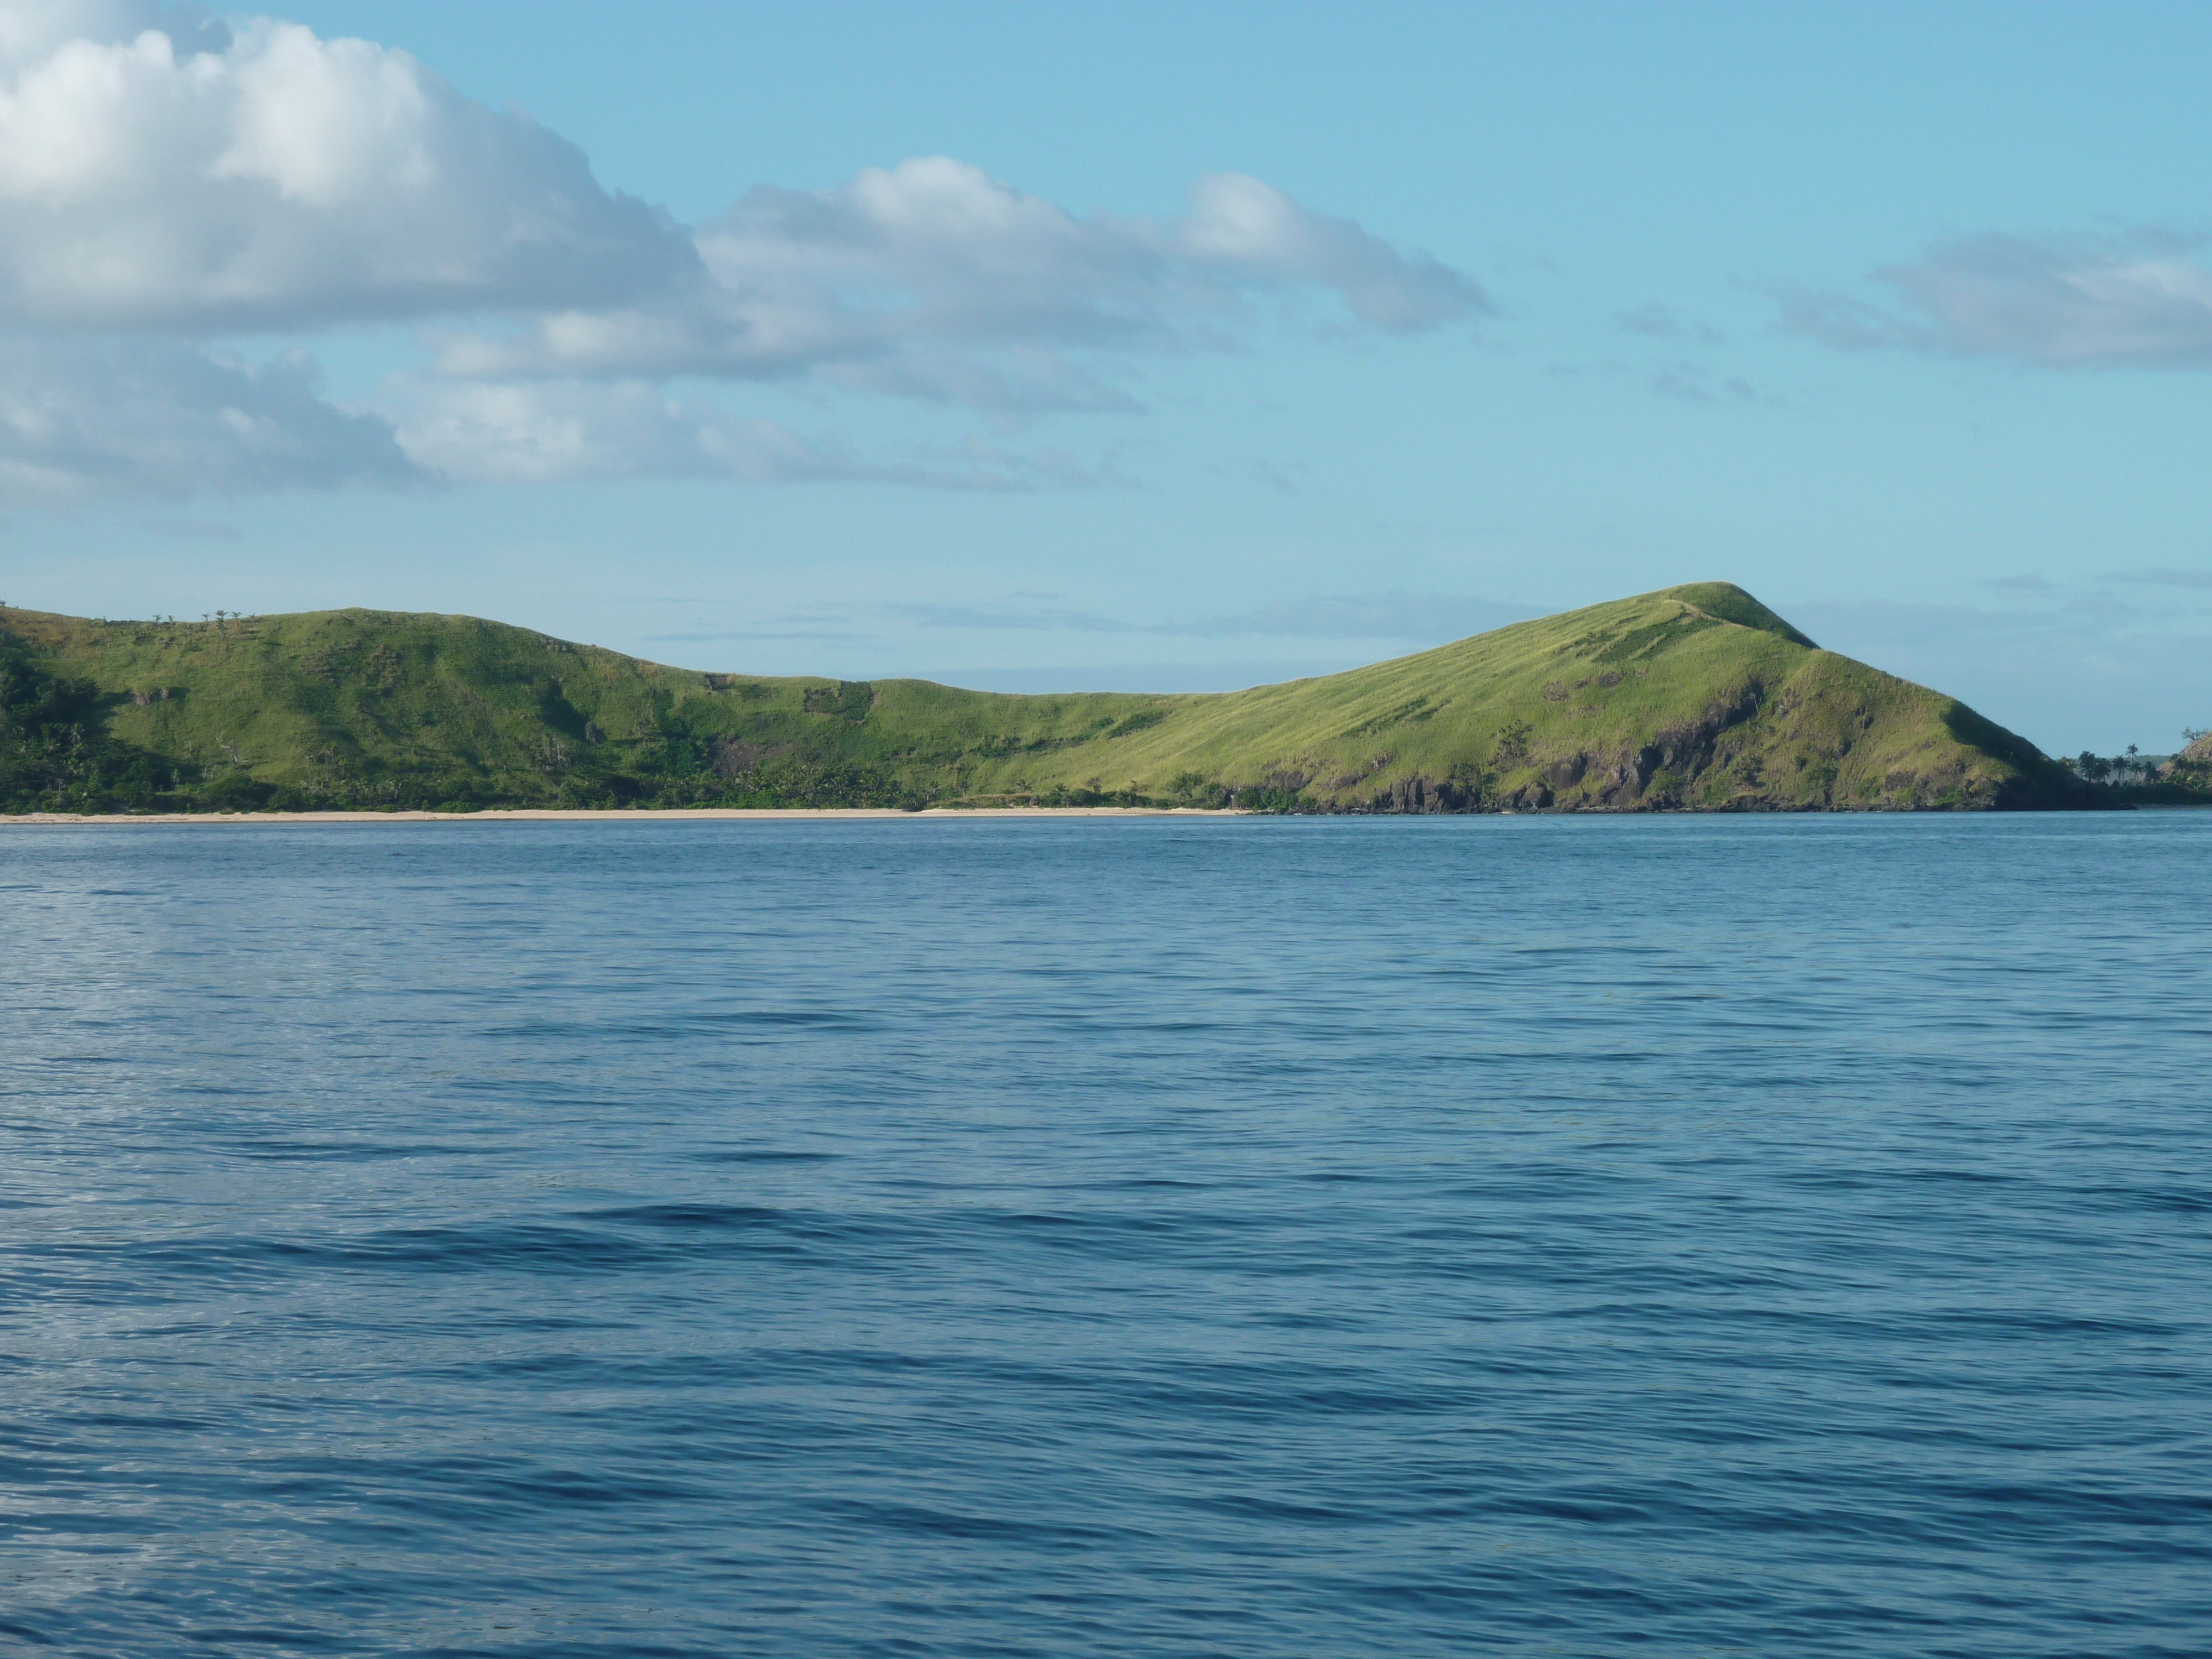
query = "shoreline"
{"x": 695, "y": 814}
{"x": 622, "y": 814}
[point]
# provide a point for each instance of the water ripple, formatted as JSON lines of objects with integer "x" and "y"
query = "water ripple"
{"x": 1677, "y": 1237}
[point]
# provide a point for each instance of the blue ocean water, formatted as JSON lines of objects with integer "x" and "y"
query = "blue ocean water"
{"x": 1161, "y": 1236}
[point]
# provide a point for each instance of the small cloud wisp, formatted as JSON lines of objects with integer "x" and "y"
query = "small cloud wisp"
{"x": 2059, "y": 301}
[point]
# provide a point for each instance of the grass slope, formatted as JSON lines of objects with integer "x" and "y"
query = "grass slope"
{"x": 1695, "y": 698}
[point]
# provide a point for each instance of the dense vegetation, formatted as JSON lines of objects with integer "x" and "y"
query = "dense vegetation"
{"x": 56, "y": 754}
{"x": 2184, "y": 779}
{"x": 1695, "y": 697}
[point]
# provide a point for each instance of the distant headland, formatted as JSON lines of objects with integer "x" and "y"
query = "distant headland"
{"x": 1695, "y": 698}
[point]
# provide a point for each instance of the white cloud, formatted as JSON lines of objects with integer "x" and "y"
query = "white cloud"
{"x": 167, "y": 180}
{"x": 537, "y": 433}
{"x": 281, "y": 181}
{"x": 933, "y": 279}
{"x": 540, "y": 431}
{"x": 2060, "y": 301}
{"x": 80, "y": 419}
{"x": 31, "y": 30}
{"x": 1237, "y": 224}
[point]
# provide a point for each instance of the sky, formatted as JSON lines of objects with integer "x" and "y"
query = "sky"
{"x": 1126, "y": 346}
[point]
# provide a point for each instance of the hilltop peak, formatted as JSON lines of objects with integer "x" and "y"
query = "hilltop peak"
{"x": 1732, "y": 604}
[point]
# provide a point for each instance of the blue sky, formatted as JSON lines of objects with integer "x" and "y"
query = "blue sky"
{"x": 1077, "y": 346}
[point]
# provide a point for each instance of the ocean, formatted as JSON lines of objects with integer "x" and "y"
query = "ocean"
{"x": 1657, "y": 1236}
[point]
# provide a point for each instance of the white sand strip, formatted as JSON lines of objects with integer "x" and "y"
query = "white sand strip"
{"x": 630, "y": 816}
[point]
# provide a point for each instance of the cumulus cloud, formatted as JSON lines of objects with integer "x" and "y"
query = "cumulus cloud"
{"x": 80, "y": 419}
{"x": 31, "y": 30}
{"x": 2059, "y": 301}
{"x": 167, "y": 180}
{"x": 154, "y": 178}
{"x": 933, "y": 279}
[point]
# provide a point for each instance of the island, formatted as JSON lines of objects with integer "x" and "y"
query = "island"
{"x": 1691, "y": 698}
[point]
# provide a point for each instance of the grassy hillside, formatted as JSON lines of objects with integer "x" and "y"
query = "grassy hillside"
{"x": 1694, "y": 697}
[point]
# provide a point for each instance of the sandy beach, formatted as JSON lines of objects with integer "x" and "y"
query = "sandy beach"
{"x": 627, "y": 815}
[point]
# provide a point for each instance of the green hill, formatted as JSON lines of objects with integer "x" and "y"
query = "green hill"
{"x": 1697, "y": 698}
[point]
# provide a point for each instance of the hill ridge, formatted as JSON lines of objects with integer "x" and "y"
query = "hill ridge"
{"x": 1696, "y": 696}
